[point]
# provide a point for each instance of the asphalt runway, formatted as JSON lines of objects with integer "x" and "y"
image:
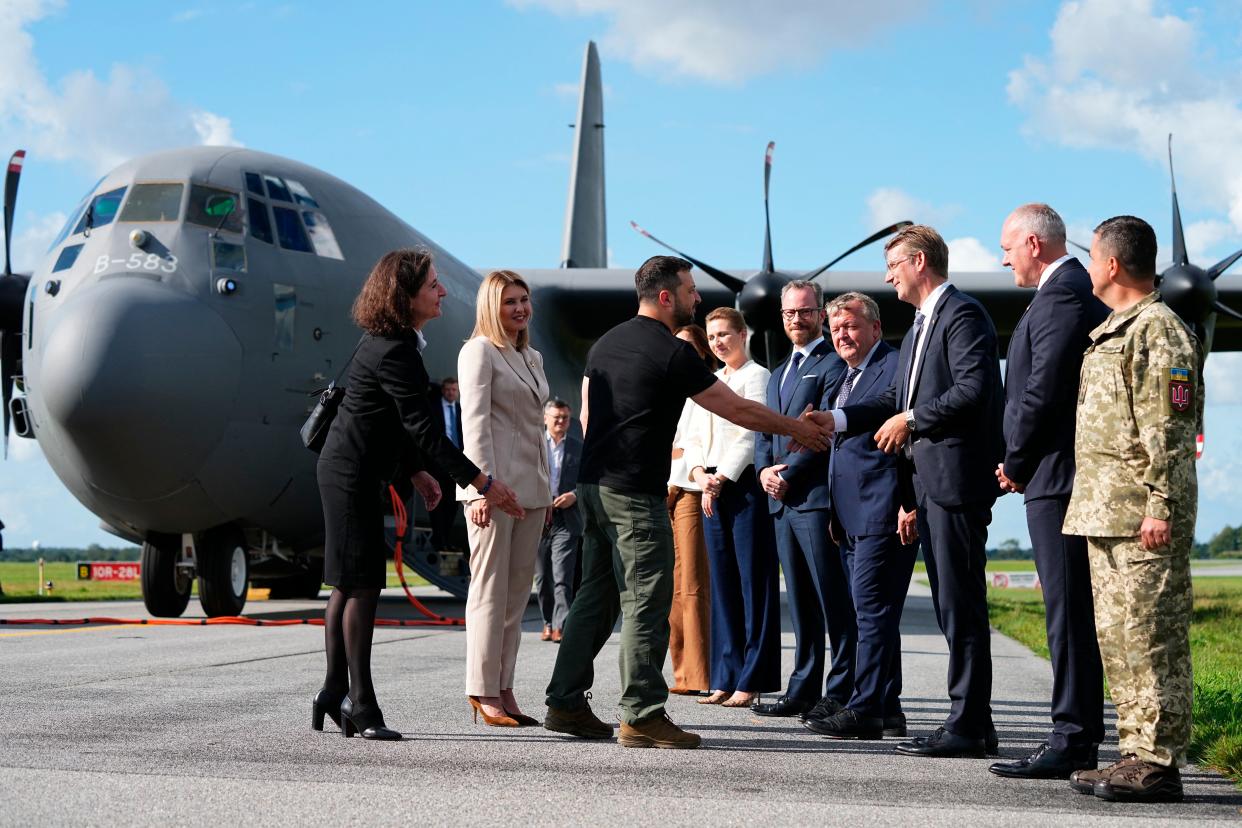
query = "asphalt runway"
{"x": 140, "y": 725}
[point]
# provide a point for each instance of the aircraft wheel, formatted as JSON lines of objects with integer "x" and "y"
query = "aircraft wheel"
{"x": 223, "y": 571}
{"x": 165, "y": 586}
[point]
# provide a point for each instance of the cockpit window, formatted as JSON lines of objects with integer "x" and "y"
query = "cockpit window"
{"x": 321, "y": 235}
{"x": 215, "y": 208}
{"x": 301, "y": 194}
{"x": 289, "y": 230}
{"x": 73, "y": 217}
{"x": 260, "y": 224}
{"x": 153, "y": 202}
{"x": 254, "y": 184}
{"x": 101, "y": 211}
{"x": 276, "y": 189}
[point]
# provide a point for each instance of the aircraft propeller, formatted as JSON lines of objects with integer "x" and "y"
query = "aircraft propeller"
{"x": 1191, "y": 290}
{"x": 12, "y": 295}
{"x": 759, "y": 297}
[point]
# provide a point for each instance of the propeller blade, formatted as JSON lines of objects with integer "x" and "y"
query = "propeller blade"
{"x": 1179, "y": 239}
{"x": 874, "y": 237}
{"x": 10, "y": 348}
{"x": 767, "y": 219}
{"x": 1223, "y": 265}
{"x": 1081, "y": 247}
{"x": 731, "y": 282}
{"x": 1226, "y": 310}
{"x": 11, "y": 180}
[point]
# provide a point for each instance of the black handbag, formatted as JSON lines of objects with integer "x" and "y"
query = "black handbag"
{"x": 319, "y": 422}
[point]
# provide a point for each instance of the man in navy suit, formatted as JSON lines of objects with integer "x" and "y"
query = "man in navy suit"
{"x": 1041, "y": 396}
{"x": 866, "y": 502}
{"x": 797, "y": 487}
{"x": 944, "y": 415}
{"x": 444, "y": 516}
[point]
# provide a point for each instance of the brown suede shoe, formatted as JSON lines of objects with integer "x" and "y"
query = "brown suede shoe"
{"x": 1139, "y": 781}
{"x": 659, "y": 732}
{"x": 581, "y": 723}
{"x": 1083, "y": 781}
{"x": 556, "y": 636}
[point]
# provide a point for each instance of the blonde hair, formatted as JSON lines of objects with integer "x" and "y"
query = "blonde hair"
{"x": 735, "y": 319}
{"x": 488, "y": 306}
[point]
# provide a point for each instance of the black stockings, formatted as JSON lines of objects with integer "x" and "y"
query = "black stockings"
{"x": 349, "y": 622}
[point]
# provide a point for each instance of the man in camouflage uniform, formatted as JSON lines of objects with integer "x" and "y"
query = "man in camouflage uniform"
{"x": 1140, "y": 406}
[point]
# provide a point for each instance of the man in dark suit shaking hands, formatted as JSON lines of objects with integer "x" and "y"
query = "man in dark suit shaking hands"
{"x": 946, "y": 407}
{"x": 1041, "y": 396}
{"x": 797, "y": 487}
{"x": 866, "y": 501}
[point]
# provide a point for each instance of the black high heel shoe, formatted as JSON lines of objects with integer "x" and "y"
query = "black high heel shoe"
{"x": 367, "y": 722}
{"x": 327, "y": 704}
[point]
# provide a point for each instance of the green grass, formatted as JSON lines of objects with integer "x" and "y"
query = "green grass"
{"x": 993, "y": 566}
{"x": 1216, "y": 652}
{"x": 20, "y": 582}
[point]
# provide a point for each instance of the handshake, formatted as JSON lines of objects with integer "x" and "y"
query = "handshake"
{"x": 812, "y": 430}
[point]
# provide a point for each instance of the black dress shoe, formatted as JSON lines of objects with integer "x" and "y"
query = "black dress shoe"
{"x": 943, "y": 744}
{"x": 895, "y": 726}
{"x": 784, "y": 706}
{"x": 367, "y": 722}
{"x": 825, "y": 707}
{"x": 325, "y": 704}
{"x": 991, "y": 742}
{"x": 1046, "y": 763}
{"x": 847, "y": 724}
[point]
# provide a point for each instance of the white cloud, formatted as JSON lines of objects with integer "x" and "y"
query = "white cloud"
{"x": 1202, "y": 236}
{"x": 1128, "y": 90}
{"x": 1222, "y": 375}
{"x": 728, "y": 41}
{"x": 32, "y": 238}
{"x": 969, "y": 255}
{"x": 82, "y": 118}
{"x": 890, "y": 204}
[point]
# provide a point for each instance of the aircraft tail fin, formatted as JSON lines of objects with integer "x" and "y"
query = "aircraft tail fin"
{"x": 586, "y": 240}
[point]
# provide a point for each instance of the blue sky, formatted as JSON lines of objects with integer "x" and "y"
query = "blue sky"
{"x": 454, "y": 116}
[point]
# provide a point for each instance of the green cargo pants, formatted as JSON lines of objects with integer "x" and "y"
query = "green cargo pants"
{"x": 627, "y": 568}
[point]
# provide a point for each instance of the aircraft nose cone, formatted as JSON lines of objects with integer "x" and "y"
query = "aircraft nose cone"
{"x": 139, "y": 380}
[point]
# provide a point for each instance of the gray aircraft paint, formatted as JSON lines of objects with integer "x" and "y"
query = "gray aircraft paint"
{"x": 586, "y": 238}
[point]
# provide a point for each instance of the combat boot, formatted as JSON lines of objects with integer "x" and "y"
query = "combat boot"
{"x": 582, "y": 722}
{"x": 1140, "y": 781}
{"x": 1083, "y": 781}
{"x": 658, "y": 731}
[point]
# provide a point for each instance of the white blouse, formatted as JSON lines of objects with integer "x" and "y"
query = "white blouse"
{"x": 710, "y": 440}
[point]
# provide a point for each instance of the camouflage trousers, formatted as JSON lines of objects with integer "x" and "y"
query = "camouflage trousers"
{"x": 1142, "y": 621}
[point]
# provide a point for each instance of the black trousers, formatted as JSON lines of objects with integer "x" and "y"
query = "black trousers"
{"x": 1077, "y": 674}
{"x": 955, "y": 552}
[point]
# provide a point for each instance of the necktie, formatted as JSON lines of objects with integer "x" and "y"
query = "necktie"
{"x": 450, "y": 424}
{"x": 847, "y": 386}
{"x": 791, "y": 379}
{"x": 914, "y": 354}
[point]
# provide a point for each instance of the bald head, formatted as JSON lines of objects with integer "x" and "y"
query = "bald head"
{"x": 1032, "y": 237}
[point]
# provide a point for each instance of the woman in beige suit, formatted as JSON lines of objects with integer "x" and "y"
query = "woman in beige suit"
{"x": 503, "y": 389}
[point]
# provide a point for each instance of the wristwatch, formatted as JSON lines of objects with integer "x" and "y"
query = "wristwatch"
{"x": 910, "y": 421}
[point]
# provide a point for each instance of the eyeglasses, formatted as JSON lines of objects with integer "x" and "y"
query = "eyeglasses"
{"x": 889, "y": 267}
{"x": 805, "y": 313}
{"x": 559, "y": 417}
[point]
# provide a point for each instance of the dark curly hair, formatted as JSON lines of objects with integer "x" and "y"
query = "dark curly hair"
{"x": 384, "y": 305}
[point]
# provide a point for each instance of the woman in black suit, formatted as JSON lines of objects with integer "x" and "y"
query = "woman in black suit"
{"x": 384, "y": 431}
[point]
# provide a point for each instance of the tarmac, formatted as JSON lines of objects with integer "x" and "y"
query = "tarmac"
{"x": 142, "y": 725}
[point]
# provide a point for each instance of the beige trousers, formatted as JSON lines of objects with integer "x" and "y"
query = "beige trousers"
{"x": 690, "y": 618}
{"x": 502, "y": 569}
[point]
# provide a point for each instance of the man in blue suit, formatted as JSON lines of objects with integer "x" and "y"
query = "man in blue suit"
{"x": 866, "y": 501}
{"x": 945, "y": 415}
{"x": 797, "y": 488}
{"x": 1041, "y": 396}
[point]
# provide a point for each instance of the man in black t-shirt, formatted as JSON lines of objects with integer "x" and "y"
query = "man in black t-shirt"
{"x": 638, "y": 377}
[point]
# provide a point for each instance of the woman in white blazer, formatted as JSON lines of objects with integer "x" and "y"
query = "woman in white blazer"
{"x": 741, "y": 543}
{"x": 503, "y": 389}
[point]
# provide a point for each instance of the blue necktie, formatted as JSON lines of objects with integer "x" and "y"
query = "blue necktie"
{"x": 847, "y": 386}
{"x": 791, "y": 379}
{"x": 450, "y": 424}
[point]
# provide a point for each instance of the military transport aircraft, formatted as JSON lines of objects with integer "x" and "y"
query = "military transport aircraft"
{"x": 169, "y": 345}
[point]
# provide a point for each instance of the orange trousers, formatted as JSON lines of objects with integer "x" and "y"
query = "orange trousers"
{"x": 689, "y": 618}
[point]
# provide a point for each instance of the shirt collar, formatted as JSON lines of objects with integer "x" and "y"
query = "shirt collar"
{"x": 1117, "y": 320}
{"x": 867, "y": 359}
{"x": 1051, "y": 270}
{"x": 547, "y": 435}
{"x": 929, "y": 304}
{"x": 420, "y": 340}
{"x": 806, "y": 349}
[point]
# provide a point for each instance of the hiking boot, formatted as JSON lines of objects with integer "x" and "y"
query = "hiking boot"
{"x": 657, "y": 731}
{"x": 581, "y": 722}
{"x": 1138, "y": 781}
{"x": 1083, "y": 781}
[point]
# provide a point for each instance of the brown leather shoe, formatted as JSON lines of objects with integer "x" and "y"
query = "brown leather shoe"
{"x": 556, "y": 636}
{"x": 659, "y": 732}
{"x": 1083, "y": 781}
{"x": 547, "y": 633}
{"x": 1134, "y": 780}
{"x": 581, "y": 723}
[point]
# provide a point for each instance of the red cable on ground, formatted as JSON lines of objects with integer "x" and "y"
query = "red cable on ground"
{"x": 402, "y": 522}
